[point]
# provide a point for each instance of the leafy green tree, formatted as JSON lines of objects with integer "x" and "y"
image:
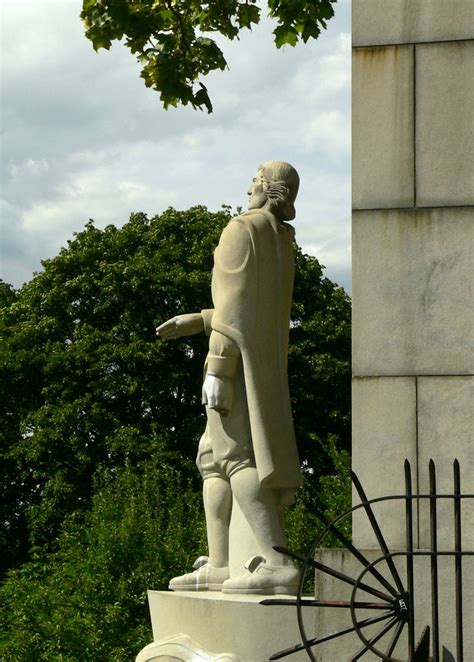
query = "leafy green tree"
{"x": 86, "y": 386}
{"x": 7, "y": 294}
{"x": 171, "y": 38}
{"x": 100, "y": 423}
{"x": 86, "y": 383}
{"x": 319, "y": 364}
{"x": 87, "y": 600}
{"x": 12, "y": 521}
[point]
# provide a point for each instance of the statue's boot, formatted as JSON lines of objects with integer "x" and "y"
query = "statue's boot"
{"x": 204, "y": 578}
{"x": 263, "y": 578}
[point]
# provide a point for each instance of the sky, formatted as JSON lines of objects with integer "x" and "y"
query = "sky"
{"x": 81, "y": 136}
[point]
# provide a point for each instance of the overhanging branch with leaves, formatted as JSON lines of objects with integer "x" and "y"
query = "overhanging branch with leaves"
{"x": 170, "y": 38}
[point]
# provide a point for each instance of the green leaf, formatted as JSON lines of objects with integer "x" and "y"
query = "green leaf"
{"x": 310, "y": 30}
{"x": 99, "y": 38}
{"x": 285, "y": 35}
{"x": 201, "y": 98}
{"x": 248, "y": 14}
{"x": 175, "y": 27}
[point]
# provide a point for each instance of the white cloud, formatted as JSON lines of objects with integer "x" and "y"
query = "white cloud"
{"x": 84, "y": 138}
{"x": 27, "y": 168}
{"x": 328, "y": 131}
{"x": 327, "y": 74}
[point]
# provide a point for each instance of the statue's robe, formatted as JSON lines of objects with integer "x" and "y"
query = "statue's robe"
{"x": 252, "y": 287}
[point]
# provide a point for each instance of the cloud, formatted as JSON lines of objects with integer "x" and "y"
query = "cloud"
{"x": 27, "y": 168}
{"x": 18, "y": 248}
{"x": 84, "y": 138}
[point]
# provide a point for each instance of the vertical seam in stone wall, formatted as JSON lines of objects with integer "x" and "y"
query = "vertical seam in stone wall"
{"x": 417, "y": 471}
{"x": 414, "y": 125}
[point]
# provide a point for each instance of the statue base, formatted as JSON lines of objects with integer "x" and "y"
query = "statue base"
{"x": 221, "y": 627}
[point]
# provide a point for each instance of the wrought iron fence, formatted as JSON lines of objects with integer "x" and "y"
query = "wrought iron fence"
{"x": 395, "y": 603}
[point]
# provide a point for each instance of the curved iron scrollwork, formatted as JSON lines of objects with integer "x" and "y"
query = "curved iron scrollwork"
{"x": 391, "y": 601}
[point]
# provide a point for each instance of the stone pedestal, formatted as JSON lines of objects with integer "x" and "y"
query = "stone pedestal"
{"x": 226, "y": 624}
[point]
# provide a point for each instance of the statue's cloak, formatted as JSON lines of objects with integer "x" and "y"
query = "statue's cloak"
{"x": 252, "y": 286}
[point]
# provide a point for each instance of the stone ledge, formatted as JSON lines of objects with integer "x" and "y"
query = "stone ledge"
{"x": 235, "y": 624}
{"x": 382, "y": 22}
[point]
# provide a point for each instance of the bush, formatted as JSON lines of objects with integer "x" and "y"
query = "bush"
{"x": 87, "y": 600}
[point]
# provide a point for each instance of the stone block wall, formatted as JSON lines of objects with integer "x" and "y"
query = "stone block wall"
{"x": 413, "y": 253}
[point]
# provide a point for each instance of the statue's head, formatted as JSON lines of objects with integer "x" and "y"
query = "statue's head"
{"x": 275, "y": 187}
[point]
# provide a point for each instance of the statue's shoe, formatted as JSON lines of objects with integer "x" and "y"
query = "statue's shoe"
{"x": 263, "y": 578}
{"x": 204, "y": 578}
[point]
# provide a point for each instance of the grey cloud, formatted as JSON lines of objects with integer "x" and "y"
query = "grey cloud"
{"x": 109, "y": 148}
{"x": 19, "y": 254}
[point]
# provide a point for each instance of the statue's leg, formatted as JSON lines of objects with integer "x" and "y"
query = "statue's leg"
{"x": 211, "y": 572}
{"x": 261, "y": 508}
{"x": 217, "y": 496}
{"x": 268, "y": 572}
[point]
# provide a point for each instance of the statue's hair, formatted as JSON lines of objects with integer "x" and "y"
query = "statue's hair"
{"x": 280, "y": 184}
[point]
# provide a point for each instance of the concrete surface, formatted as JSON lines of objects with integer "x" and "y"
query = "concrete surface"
{"x": 382, "y": 128}
{"x": 384, "y": 423}
{"x": 446, "y": 433}
{"x": 235, "y": 624}
{"x": 413, "y": 292}
{"x": 376, "y": 22}
{"x": 445, "y": 123}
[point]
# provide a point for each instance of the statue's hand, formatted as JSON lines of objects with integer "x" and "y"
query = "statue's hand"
{"x": 218, "y": 393}
{"x": 181, "y": 325}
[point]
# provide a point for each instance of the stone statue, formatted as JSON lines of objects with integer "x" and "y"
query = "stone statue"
{"x": 248, "y": 449}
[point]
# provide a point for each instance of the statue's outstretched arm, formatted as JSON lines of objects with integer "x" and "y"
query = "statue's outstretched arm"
{"x": 181, "y": 325}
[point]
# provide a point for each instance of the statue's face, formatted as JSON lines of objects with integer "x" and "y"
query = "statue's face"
{"x": 257, "y": 196}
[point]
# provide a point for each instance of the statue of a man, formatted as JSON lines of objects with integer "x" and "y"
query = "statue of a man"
{"x": 248, "y": 449}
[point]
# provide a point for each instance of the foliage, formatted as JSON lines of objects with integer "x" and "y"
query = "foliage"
{"x": 7, "y": 294}
{"x": 85, "y": 384}
{"x": 170, "y": 38}
{"x": 87, "y": 601}
{"x": 100, "y": 423}
{"x": 328, "y": 495}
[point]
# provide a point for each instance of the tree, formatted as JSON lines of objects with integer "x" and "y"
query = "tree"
{"x": 87, "y": 387}
{"x": 170, "y": 38}
{"x": 86, "y": 383}
{"x": 100, "y": 423}
{"x": 7, "y": 294}
{"x": 87, "y": 600}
